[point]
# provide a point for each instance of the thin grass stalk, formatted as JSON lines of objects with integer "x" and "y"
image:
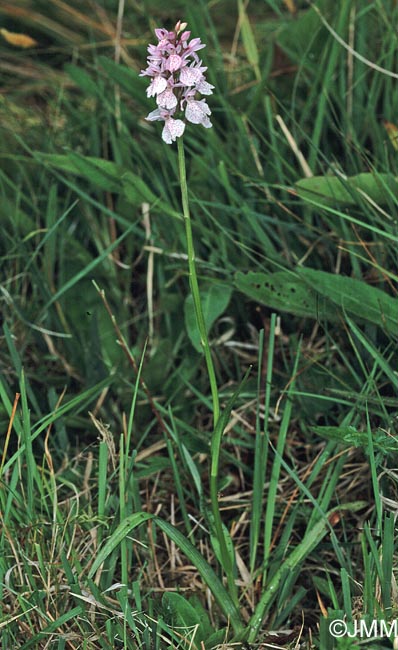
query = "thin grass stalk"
{"x": 367, "y": 590}
{"x": 179, "y": 489}
{"x": 27, "y": 439}
{"x": 373, "y": 471}
{"x": 261, "y": 446}
{"x": 387, "y": 562}
{"x": 102, "y": 485}
{"x": 275, "y": 472}
{"x": 259, "y": 475}
{"x": 326, "y": 81}
{"x": 133, "y": 407}
{"x": 122, "y": 512}
{"x": 347, "y": 596}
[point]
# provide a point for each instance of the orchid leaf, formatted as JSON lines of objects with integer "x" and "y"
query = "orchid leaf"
{"x": 214, "y": 302}
{"x": 377, "y": 188}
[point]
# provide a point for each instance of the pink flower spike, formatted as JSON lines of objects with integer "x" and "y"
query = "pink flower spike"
{"x": 172, "y": 130}
{"x": 177, "y": 81}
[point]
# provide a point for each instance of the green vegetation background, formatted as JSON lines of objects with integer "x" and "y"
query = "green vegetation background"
{"x": 294, "y": 202}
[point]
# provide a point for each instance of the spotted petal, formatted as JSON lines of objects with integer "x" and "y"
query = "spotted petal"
{"x": 167, "y": 99}
{"x": 173, "y": 62}
{"x": 172, "y": 129}
{"x": 197, "y": 112}
{"x": 190, "y": 76}
{"x": 204, "y": 87}
{"x": 157, "y": 85}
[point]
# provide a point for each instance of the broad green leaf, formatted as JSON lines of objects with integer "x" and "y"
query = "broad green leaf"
{"x": 201, "y": 613}
{"x": 315, "y": 294}
{"x": 349, "y": 191}
{"x": 355, "y": 297}
{"x": 188, "y": 615}
{"x": 136, "y": 190}
{"x": 284, "y": 291}
{"x": 292, "y": 36}
{"x": 214, "y": 302}
{"x": 178, "y": 611}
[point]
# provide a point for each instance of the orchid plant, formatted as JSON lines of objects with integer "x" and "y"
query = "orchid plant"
{"x": 177, "y": 81}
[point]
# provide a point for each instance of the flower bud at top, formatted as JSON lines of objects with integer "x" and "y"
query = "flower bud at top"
{"x": 180, "y": 27}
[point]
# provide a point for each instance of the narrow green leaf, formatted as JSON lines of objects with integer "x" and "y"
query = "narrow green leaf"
{"x": 190, "y": 616}
{"x": 82, "y": 79}
{"x": 348, "y": 435}
{"x": 311, "y": 539}
{"x": 219, "y": 592}
{"x": 117, "y": 536}
{"x": 126, "y": 78}
{"x": 249, "y": 41}
{"x": 52, "y": 627}
{"x": 104, "y": 173}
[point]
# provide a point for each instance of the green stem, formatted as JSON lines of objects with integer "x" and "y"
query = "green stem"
{"x": 218, "y": 422}
{"x": 193, "y": 281}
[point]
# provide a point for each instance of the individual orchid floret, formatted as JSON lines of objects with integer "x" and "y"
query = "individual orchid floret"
{"x": 157, "y": 85}
{"x": 167, "y": 99}
{"x": 197, "y": 112}
{"x": 177, "y": 81}
{"x": 172, "y": 128}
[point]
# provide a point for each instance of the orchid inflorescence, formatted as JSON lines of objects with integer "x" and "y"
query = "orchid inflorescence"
{"x": 177, "y": 80}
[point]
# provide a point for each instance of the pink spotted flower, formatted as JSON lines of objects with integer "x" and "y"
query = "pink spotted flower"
{"x": 177, "y": 82}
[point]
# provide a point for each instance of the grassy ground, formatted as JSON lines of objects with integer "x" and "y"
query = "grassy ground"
{"x": 107, "y": 535}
